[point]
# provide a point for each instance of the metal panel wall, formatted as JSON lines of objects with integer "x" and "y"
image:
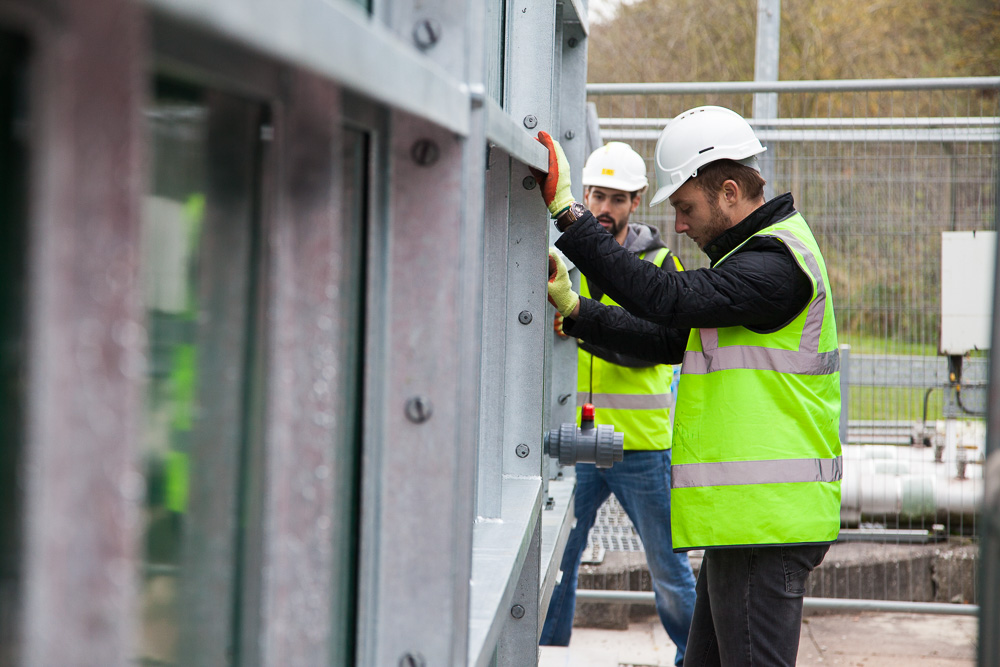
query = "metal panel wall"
{"x": 85, "y": 357}
{"x": 455, "y": 345}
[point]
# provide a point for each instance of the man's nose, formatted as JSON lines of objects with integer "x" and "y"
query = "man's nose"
{"x": 680, "y": 226}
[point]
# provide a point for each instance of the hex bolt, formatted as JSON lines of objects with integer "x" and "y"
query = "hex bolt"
{"x": 418, "y": 409}
{"x": 412, "y": 660}
{"x": 528, "y": 182}
{"x": 524, "y": 317}
{"x": 530, "y": 122}
{"x": 572, "y": 42}
{"x": 517, "y": 611}
{"x": 569, "y": 134}
{"x": 424, "y": 152}
{"x": 522, "y": 451}
{"x": 426, "y": 33}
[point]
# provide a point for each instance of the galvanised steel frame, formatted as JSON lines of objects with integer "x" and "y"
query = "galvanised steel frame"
{"x": 460, "y": 376}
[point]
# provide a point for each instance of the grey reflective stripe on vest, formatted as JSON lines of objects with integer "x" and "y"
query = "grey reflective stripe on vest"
{"x": 814, "y": 319}
{"x": 807, "y": 360}
{"x": 779, "y": 471}
{"x": 627, "y": 401}
{"x": 761, "y": 358}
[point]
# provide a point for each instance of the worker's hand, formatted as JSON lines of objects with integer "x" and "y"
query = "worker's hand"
{"x": 555, "y": 185}
{"x": 557, "y": 326}
{"x": 561, "y": 294}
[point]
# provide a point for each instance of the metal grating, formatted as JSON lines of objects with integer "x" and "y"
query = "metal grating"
{"x": 612, "y": 531}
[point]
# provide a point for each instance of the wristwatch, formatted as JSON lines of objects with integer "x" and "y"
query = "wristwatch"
{"x": 570, "y": 215}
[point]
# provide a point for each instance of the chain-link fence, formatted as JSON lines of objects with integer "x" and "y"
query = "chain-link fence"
{"x": 881, "y": 170}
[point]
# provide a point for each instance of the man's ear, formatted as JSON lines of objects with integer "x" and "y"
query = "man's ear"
{"x": 731, "y": 192}
{"x": 635, "y": 203}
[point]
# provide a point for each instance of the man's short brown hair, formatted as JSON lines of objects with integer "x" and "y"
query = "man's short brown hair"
{"x": 711, "y": 177}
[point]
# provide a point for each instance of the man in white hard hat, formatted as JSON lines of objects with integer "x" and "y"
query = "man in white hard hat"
{"x": 757, "y": 458}
{"x": 636, "y": 397}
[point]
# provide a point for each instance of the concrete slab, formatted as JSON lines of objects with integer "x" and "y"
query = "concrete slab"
{"x": 864, "y": 639}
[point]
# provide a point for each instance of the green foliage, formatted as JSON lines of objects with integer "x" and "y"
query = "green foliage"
{"x": 699, "y": 40}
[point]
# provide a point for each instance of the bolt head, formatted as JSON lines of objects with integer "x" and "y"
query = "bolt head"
{"x": 530, "y": 122}
{"x": 419, "y": 409}
{"x": 524, "y": 317}
{"x": 424, "y": 152}
{"x": 528, "y": 182}
{"x": 517, "y": 611}
{"x": 522, "y": 451}
{"x": 426, "y": 33}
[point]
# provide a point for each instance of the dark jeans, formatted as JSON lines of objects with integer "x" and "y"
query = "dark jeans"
{"x": 749, "y": 607}
{"x": 641, "y": 482}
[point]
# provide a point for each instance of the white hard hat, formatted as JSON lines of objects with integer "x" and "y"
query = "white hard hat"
{"x": 615, "y": 165}
{"x": 695, "y": 138}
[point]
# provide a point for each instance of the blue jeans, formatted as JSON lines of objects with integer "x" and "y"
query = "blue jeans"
{"x": 641, "y": 482}
{"x": 749, "y": 609}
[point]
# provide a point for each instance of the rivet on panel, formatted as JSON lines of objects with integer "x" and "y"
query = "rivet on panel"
{"x": 524, "y": 317}
{"x": 569, "y": 134}
{"x": 418, "y": 409}
{"x": 426, "y": 33}
{"x": 528, "y": 182}
{"x": 412, "y": 660}
{"x": 424, "y": 152}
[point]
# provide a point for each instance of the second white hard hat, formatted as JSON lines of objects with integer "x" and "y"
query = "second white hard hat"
{"x": 615, "y": 165}
{"x": 695, "y": 138}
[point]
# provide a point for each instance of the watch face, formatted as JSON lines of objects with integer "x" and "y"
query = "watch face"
{"x": 577, "y": 209}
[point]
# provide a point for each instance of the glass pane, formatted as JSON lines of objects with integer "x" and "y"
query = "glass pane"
{"x": 198, "y": 228}
{"x": 13, "y": 297}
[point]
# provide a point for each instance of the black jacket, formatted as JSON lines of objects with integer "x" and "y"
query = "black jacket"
{"x": 640, "y": 239}
{"x": 761, "y": 287}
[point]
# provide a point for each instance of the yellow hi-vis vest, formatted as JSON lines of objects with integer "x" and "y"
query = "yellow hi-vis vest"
{"x": 636, "y": 401}
{"x": 757, "y": 457}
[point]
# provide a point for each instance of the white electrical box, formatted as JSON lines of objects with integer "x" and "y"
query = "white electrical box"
{"x": 967, "y": 261}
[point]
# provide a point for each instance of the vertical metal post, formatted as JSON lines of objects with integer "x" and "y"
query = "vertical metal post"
{"x": 529, "y": 87}
{"x": 845, "y": 391}
{"x": 423, "y": 389}
{"x": 307, "y": 363}
{"x": 989, "y": 555}
{"x": 766, "y": 59}
{"x": 84, "y": 370}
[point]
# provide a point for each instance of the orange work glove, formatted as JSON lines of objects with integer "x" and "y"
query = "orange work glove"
{"x": 555, "y": 185}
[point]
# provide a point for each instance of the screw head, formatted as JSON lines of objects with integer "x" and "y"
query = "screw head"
{"x": 524, "y": 317}
{"x": 563, "y": 398}
{"x": 522, "y": 451}
{"x": 528, "y": 182}
{"x": 426, "y": 33}
{"x": 412, "y": 660}
{"x": 424, "y": 152}
{"x": 517, "y": 611}
{"x": 572, "y": 42}
{"x": 418, "y": 409}
{"x": 530, "y": 122}
{"x": 569, "y": 134}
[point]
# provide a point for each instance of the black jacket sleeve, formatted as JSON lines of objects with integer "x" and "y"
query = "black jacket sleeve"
{"x": 760, "y": 287}
{"x": 616, "y": 329}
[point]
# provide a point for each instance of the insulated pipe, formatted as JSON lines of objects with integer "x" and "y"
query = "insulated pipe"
{"x": 877, "y": 482}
